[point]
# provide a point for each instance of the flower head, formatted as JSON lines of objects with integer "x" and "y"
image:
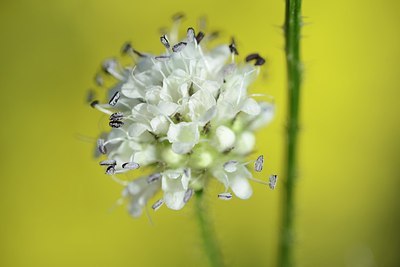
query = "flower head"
{"x": 187, "y": 115}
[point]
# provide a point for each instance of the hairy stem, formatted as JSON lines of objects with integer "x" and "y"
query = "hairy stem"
{"x": 292, "y": 41}
{"x": 207, "y": 232}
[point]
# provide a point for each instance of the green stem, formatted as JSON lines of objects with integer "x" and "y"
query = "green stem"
{"x": 292, "y": 37}
{"x": 207, "y": 232}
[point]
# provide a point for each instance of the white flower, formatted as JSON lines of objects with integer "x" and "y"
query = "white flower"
{"x": 186, "y": 114}
{"x": 138, "y": 193}
{"x": 183, "y": 136}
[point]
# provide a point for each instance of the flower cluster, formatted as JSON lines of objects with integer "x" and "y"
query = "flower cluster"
{"x": 187, "y": 115}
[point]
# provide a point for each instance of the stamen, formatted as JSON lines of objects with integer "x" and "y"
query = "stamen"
{"x": 179, "y": 46}
{"x": 101, "y": 146}
{"x": 202, "y": 23}
{"x": 110, "y": 66}
{"x": 232, "y": 47}
{"x": 114, "y": 99}
{"x": 213, "y": 35}
{"x": 108, "y": 162}
{"x": 99, "y": 79}
{"x": 130, "y": 165}
{"x": 257, "y": 180}
{"x": 110, "y": 170}
{"x": 110, "y": 63}
{"x": 116, "y": 116}
{"x": 258, "y": 165}
{"x": 163, "y": 58}
{"x": 230, "y": 166}
{"x": 260, "y": 61}
{"x": 255, "y": 56}
{"x": 251, "y": 57}
{"x": 190, "y": 34}
{"x": 225, "y": 196}
{"x": 165, "y": 41}
{"x": 116, "y": 124}
{"x": 110, "y": 141}
{"x": 138, "y": 53}
{"x": 95, "y": 104}
{"x": 136, "y": 79}
{"x": 273, "y": 179}
{"x": 199, "y": 37}
{"x": 188, "y": 195}
{"x": 90, "y": 96}
{"x": 157, "y": 205}
{"x": 153, "y": 177}
{"x": 178, "y": 16}
{"x": 126, "y": 48}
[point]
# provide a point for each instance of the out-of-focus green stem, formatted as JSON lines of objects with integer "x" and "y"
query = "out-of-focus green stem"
{"x": 207, "y": 232}
{"x": 292, "y": 41}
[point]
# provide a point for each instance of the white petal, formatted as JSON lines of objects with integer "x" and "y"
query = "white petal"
{"x": 136, "y": 129}
{"x": 230, "y": 166}
{"x": 139, "y": 192}
{"x": 174, "y": 200}
{"x": 210, "y": 113}
{"x": 153, "y": 95}
{"x": 239, "y": 183}
{"x": 171, "y": 181}
{"x": 202, "y": 106}
{"x": 251, "y": 107}
{"x": 167, "y": 108}
{"x": 245, "y": 143}
{"x": 159, "y": 125}
{"x": 266, "y": 115}
{"x": 135, "y": 209}
{"x": 133, "y": 188}
{"x": 221, "y": 176}
{"x": 241, "y": 187}
{"x": 183, "y": 132}
{"x": 173, "y": 174}
{"x": 132, "y": 89}
{"x": 182, "y": 148}
{"x": 183, "y": 136}
{"x": 146, "y": 156}
{"x": 225, "y": 138}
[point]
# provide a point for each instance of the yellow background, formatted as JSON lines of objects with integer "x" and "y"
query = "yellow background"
{"x": 57, "y": 205}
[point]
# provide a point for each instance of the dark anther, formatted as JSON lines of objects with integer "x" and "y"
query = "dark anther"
{"x": 178, "y": 16}
{"x": 165, "y": 41}
{"x": 138, "y": 53}
{"x": 199, "y": 37}
{"x": 126, "y": 47}
{"x": 213, "y": 35}
{"x": 179, "y": 46}
{"x": 255, "y": 56}
{"x": 110, "y": 170}
{"x": 108, "y": 162}
{"x": 233, "y": 48}
{"x": 252, "y": 57}
{"x": 114, "y": 99}
{"x": 260, "y": 61}
{"x": 94, "y": 103}
{"x": 116, "y": 123}
{"x": 116, "y": 116}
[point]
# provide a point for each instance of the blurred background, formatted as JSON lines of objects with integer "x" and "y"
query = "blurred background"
{"x": 58, "y": 208}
